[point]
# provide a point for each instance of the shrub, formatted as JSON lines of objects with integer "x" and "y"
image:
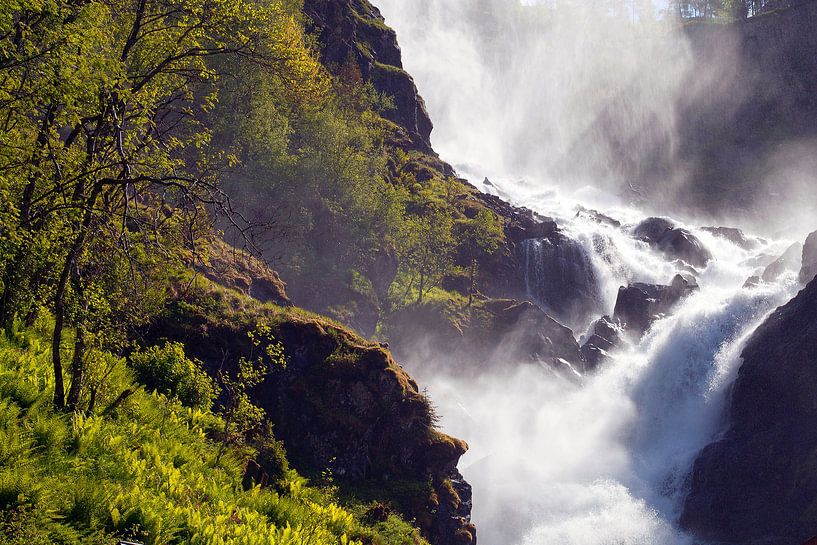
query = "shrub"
{"x": 169, "y": 371}
{"x": 272, "y": 457}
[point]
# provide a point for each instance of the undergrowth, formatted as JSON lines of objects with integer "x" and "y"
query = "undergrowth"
{"x": 145, "y": 469}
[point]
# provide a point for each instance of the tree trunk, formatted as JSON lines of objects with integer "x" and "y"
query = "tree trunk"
{"x": 77, "y": 370}
{"x": 56, "y": 360}
{"x": 6, "y": 312}
{"x": 59, "y": 298}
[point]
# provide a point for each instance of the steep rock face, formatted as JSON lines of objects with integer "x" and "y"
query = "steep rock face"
{"x": 808, "y": 268}
{"x": 354, "y": 30}
{"x": 734, "y": 235}
{"x": 758, "y": 484}
{"x": 341, "y": 403}
{"x": 673, "y": 241}
{"x": 504, "y": 278}
{"x": 492, "y": 332}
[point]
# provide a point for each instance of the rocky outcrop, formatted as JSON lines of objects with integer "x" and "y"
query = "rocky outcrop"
{"x": 808, "y": 269}
{"x": 733, "y": 235}
{"x": 758, "y": 484}
{"x": 639, "y": 305}
{"x": 354, "y": 31}
{"x": 490, "y": 333}
{"x": 598, "y": 217}
{"x": 236, "y": 269}
{"x": 605, "y": 336}
{"x": 789, "y": 261}
{"x": 674, "y": 242}
{"x": 341, "y": 403}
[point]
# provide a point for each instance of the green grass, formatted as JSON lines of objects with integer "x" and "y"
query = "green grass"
{"x": 146, "y": 471}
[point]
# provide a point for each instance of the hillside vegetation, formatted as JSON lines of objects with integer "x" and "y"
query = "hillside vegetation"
{"x": 136, "y": 136}
{"x": 146, "y": 469}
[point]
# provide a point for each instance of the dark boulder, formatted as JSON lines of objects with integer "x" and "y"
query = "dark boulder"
{"x": 606, "y": 335}
{"x": 673, "y": 241}
{"x": 808, "y": 270}
{"x": 560, "y": 277}
{"x": 524, "y": 224}
{"x": 758, "y": 484}
{"x": 652, "y": 229}
{"x": 639, "y": 305}
{"x": 789, "y": 261}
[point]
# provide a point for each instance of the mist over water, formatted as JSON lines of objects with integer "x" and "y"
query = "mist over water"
{"x": 603, "y": 461}
{"x": 546, "y": 103}
{"x": 554, "y": 90}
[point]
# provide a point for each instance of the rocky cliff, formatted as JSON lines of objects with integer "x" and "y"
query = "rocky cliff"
{"x": 353, "y": 31}
{"x": 758, "y": 483}
{"x": 752, "y": 96}
{"x": 341, "y": 405}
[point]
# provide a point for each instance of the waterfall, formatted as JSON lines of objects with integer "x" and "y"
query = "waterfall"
{"x": 559, "y": 277}
{"x": 603, "y": 461}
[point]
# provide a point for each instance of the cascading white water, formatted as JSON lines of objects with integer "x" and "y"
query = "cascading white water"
{"x": 602, "y": 461}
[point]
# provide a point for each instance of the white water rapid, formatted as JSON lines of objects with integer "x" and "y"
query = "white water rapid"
{"x": 602, "y": 461}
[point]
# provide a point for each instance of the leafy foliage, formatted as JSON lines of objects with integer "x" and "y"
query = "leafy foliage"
{"x": 146, "y": 472}
{"x": 168, "y": 371}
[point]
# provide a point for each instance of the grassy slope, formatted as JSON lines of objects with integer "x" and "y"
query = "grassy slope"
{"x": 146, "y": 471}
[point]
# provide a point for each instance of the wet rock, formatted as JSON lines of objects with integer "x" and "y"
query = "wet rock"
{"x": 524, "y": 224}
{"x": 733, "y": 235}
{"x": 752, "y": 282}
{"x": 454, "y": 502}
{"x": 559, "y": 276}
{"x": 808, "y": 269}
{"x": 674, "y": 242}
{"x": 653, "y": 229}
{"x": 757, "y": 485}
{"x": 789, "y": 261}
{"x": 606, "y": 336}
{"x": 597, "y": 216}
{"x": 639, "y": 305}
